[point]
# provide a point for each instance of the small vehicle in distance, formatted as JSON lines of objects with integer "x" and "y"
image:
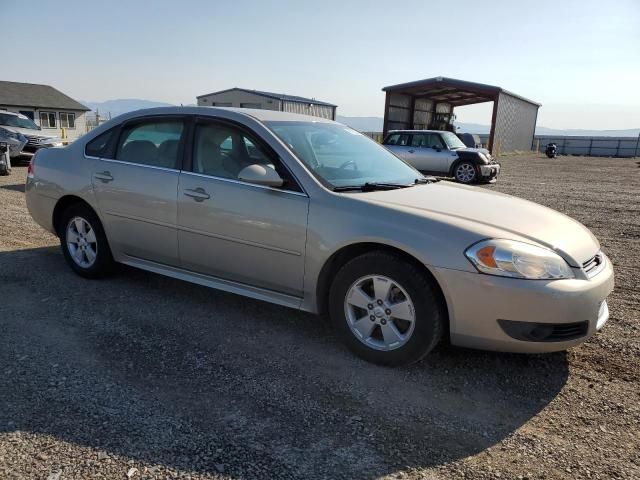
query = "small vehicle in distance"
{"x": 21, "y": 128}
{"x": 442, "y": 153}
{"x": 305, "y": 212}
{"x": 551, "y": 151}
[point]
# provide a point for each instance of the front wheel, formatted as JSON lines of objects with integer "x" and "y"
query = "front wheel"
{"x": 465, "y": 172}
{"x": 386, "y": 309}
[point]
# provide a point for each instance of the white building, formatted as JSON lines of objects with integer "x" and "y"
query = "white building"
{"x": 244, "y": 98}
{"x": 49, "y": 108}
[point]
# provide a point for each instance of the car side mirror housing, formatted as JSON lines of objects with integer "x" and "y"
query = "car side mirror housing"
{"x": 260, "y": 175}
{"x": 436, "y": 148}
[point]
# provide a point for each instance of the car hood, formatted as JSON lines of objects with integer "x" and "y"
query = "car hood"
{"x": 29, "y": 131}
{"x": 513, "y": 218}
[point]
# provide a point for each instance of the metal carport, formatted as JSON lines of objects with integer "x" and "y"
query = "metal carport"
{"x": 413, "y": 106}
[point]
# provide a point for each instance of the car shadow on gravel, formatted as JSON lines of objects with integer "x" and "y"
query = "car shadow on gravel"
{"x": 17, "y": 187}
{"x": 165, "y": 373}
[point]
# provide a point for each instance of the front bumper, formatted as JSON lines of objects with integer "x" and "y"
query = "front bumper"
{"x": 489, "y": 171}
{"x": 477, "y": 303}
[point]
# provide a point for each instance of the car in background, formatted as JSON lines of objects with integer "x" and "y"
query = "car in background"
{"x": 308, "y": 213}
{"x": 442, "y": 153}
{"x": 21, "y": 128}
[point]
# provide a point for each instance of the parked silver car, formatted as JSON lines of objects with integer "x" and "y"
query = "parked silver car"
{"x": 442, "y": 153}
{"x": 22, "y": 129}
{"x": 308, "y": 213}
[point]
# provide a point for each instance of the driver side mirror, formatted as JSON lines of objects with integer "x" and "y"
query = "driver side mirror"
{"x": 436, "y": 148}
{"x": 260, "y": 175}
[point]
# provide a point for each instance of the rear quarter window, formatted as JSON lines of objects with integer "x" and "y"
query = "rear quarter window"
{"x": 98, "y": 146}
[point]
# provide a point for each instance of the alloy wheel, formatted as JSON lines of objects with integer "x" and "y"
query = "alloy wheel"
{"x": 465, "y": 173}
{"x": 379, "y": 312}
{"x": 81, "y": 242}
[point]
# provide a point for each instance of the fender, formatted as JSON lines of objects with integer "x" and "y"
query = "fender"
{"x": 469, "y": 155}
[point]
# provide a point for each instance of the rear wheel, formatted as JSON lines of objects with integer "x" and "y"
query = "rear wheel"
{"x": 386, "y": 309}
{"x": 84, "y": 243}
{"x": 465, "y": 172}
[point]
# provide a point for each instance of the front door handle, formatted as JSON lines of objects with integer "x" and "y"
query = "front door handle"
{"x": 198, "y": 194}
{"x": 411, "y": 151}
{"x": 104, "y": 177}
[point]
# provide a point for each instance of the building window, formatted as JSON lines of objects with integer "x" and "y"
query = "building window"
{"x": 48, "y": 119}
{"x": 68, "y": 120}
{"x": 250, "y": 105}
{"x": 221, "y": 104}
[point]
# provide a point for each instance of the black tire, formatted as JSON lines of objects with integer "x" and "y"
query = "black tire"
{"x": 429, "y": 312}
{"x": 463, "y": 167}
{"x": 103, "y": 263}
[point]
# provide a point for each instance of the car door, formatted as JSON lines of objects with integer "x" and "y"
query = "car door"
{"x": 237, "y": 231}
{"x": 423, "y": 158}
{"x": 400, "y": 144}
{"x": 136, "y": 186}
{"x": 433, "y": 153}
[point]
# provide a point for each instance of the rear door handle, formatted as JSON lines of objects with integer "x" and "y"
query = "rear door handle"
{"x": 104, "y": 177}
{"x": 411, "y": 151}
{"x": 198, "y": 194}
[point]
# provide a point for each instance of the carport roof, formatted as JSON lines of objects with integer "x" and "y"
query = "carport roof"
{"x": 453, "y": 91}
{"x": 37, "y": 96}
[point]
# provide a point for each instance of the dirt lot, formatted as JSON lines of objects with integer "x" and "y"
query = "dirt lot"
{"x": 156, "y": 378}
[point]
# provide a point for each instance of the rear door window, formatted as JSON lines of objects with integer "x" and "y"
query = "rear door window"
{"x": 154, "y": 143}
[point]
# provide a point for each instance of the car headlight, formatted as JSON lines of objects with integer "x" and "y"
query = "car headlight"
{"x": 509, "y": 258}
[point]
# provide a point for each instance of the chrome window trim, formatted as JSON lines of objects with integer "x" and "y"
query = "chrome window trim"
{"x": 239, "y": 182}
{"x": 124, "y": 162}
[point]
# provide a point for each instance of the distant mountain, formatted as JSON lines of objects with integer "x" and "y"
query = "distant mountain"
{"x": 124, "y": 105}
{"x": 362, "y": 124}
{"x": 374, "y": 124}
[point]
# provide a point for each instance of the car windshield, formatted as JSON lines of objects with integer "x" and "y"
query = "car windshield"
{"x": 452, "y": 141}
{"x": 342, "y": 157}
{"x": 16, "y": 121}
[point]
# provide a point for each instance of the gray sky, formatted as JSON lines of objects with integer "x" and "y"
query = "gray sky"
{"x": 580, "y": 59}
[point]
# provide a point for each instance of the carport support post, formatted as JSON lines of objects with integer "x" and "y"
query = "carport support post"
{"x": 412, "y": 110}
{"x": 492, "y": 132}
{"x": 385, "y": 123}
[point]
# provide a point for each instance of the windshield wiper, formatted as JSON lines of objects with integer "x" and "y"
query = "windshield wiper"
{"x": 371, "y": 186}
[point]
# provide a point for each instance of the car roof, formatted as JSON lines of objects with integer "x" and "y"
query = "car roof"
{"x": 260, "y": 115}
{"x": 416, "y": 131}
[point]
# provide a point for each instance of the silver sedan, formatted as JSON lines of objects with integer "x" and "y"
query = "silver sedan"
{"x": 307, "y": 213}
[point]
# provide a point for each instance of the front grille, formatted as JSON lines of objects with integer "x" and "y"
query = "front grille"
{"x": 544, "y": 332}
{"x": 32, "y": 140}
{"x": 594, "y": 265}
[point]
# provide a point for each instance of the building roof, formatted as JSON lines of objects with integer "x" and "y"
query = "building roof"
{"x": 453, "y": 91}
{"x": 275, "y": 96}
{"x": 37, "y": 96}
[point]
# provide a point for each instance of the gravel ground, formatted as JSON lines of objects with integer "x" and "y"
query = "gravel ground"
{"x": 142, "y": 376}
